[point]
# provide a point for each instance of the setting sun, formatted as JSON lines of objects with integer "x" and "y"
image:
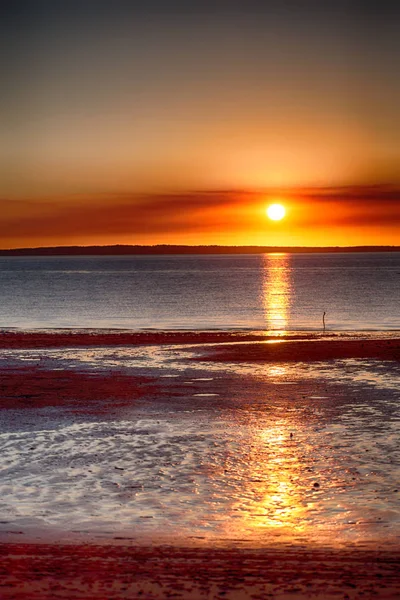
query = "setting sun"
{"x": 276, "y": 212}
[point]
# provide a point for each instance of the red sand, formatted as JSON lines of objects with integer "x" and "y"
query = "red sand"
{"x": 36, "y": 388}
{"x": 44, "y": 572}
{"x": 74, "y": 338}
{"x": 304, "y": 351}
{"x": 295, "y": 347}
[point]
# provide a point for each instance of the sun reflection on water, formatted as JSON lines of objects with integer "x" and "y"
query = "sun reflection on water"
{"x": 276, "y": 291}
{"x": 281, "y": 500}
{"x": 273, "y": 500}
{"x": 277, "y": 371}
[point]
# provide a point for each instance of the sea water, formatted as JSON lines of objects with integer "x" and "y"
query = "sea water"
{"x": 272, "y": 292}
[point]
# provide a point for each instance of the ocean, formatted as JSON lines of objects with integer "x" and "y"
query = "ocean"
{"x": 271, "y": 292}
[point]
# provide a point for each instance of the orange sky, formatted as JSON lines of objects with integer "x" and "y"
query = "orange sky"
{"x": 315, "y": 217}
{"x": 164, "y": 124}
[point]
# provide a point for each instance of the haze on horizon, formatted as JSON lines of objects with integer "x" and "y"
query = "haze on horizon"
{"x": 177, "y": 122}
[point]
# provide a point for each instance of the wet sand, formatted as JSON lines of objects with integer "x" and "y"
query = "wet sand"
{"x": 90, "y": 338}
{"x": 29, "y": 571}
{"x": 134, "y": 568}
{"x": 294, "y": 347}
{"x": 38, "y": 388}
{"x": 304, "y": 351}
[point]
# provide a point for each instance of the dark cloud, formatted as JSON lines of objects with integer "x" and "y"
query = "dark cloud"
{"x": 193, "y": 212}
{"x": 119, "y": 214}
{"x": 367, "y": 194}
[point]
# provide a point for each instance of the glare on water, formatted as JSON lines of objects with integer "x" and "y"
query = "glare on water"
{"x": 277, "y": 291}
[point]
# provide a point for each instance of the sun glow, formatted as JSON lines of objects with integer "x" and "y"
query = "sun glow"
{"x": 276, "y": 212}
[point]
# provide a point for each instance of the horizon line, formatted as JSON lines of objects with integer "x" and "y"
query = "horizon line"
{"x": 186, "y": 249}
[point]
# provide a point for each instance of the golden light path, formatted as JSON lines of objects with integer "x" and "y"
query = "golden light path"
{"x": 276, "y": 291}
{"x": 275, "y": 500}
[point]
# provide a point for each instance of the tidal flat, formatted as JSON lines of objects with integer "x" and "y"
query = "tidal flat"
{"x": 242, "y": 465}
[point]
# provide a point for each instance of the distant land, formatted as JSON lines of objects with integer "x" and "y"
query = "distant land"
{"x": 119, "y": 250}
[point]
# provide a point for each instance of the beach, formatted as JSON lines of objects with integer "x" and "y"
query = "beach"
{"x": 56, "y": 571}
{"x": 199, "y": 465}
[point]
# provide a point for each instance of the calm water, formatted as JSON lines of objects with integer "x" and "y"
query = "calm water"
{"x": 271, "y": 292}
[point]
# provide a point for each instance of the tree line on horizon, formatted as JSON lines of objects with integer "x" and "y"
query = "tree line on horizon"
{"x": 121, "y": 249}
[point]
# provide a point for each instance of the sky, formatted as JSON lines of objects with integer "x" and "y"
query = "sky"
{"x": 179, "y": 122}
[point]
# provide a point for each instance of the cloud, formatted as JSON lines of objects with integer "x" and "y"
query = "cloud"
{"x": 357, "y": 206}
{"x": 193, "y": 212}
{"x": 113, "y": 215}
{"x": 348, "y": 194}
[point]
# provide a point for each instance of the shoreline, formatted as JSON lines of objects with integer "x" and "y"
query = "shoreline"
{"x": 59, "y": 338}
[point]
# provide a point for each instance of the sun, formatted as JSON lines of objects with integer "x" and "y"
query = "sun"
{"x": 276, "y": 212}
